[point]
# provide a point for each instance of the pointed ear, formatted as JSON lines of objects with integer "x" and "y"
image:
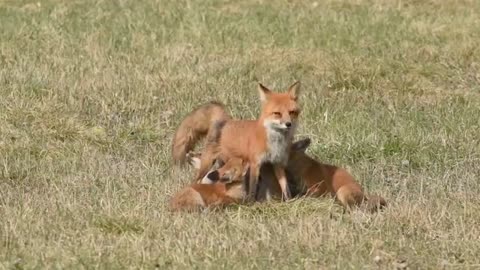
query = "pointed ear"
{"x": 301, "y": 145}
{"x": 211, "y": 177}
{"x": 264, "y": 92}
{"x": 294, "y": 90}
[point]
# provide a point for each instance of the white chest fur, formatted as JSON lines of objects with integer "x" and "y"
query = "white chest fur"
{"x": 278, "y": 144}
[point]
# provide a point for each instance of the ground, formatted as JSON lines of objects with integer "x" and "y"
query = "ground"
{"x": 92, "y": 91}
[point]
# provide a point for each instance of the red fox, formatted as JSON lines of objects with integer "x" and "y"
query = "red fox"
{"x": 219, "y": 188}
{"x": 319, "y": 179}
{"x": 265, "y": 140}
{"x": 207, "y": 121}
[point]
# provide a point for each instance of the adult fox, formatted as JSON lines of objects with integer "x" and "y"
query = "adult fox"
{"x": 265, "y": 140}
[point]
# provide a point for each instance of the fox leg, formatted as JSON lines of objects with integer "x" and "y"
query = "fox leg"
{"x": 282, "y": 180}
{"x": 253, "y": 182}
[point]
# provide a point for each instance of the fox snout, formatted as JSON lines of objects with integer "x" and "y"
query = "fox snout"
{"x": 282, "y": 119}
{"x": 285, "y": 124}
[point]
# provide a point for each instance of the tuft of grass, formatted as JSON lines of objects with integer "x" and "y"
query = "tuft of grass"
{"x": 92, "y": 91}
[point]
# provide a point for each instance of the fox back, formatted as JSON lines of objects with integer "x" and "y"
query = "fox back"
{"x": 319, "y": 178}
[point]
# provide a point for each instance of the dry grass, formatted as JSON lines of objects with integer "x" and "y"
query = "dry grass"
{"x": 91, "y": 92}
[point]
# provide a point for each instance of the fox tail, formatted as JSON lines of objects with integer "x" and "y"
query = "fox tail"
{"x": 195, "y": 126}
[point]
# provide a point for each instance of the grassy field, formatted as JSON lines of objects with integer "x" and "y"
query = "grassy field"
{"x": 92, "y": 91}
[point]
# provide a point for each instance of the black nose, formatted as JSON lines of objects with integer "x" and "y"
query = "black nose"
{"x": 288, "y": 124}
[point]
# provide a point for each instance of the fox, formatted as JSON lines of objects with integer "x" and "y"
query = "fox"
{"x": 319, "y": 179}
{"x": 264, "y": 140}
{"x": 221, "y": 187}
{"x": 205, "y": 122}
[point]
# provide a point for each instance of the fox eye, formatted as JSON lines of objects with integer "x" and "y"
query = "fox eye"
{"x": 277, "y": 113}
{"x": 293, "y": 112}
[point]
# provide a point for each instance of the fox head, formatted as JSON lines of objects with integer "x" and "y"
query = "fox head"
{"x": 233, "y": 171}
{"x": 280, "y": 111}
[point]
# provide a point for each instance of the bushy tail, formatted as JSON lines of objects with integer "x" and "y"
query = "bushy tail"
{"x": 351, "y": 195}
{"x": 196, "y": 126}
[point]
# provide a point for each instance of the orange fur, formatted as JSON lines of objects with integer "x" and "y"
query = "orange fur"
{"x": 319, "y": 179}
{"x": 313, "y": 178}
{"x": 200, "y": 196}
{"x": 226, "y": 190}
{"x": 247, "y": 140}
{"x": 266, "y": 139}
{"x": 194, "y": 127}
{"x": 268, "y": 185}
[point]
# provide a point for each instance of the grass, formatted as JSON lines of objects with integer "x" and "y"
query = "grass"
{"x": 91, "y": 93}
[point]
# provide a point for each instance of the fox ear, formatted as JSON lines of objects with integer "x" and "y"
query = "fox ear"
{"x": 301, "y": 145}
{"x": 211, "y": 177}
{"x": 264, "y": 92}
{"x": 294, "y": 90}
